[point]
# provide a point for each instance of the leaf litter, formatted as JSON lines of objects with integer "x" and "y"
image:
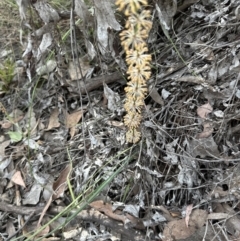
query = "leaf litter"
{"x": 65, "y": 105}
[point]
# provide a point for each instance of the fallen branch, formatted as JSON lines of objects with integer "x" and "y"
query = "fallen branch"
{"x": 19, "y": 209}
{"x": 94, "y": 83}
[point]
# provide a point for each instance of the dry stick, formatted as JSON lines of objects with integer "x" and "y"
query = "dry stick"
{"x": 94, "y": 83}
{"x": 19, "y": 209}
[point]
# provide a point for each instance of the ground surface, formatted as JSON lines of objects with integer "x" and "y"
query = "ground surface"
{"x": 66, "y": 172}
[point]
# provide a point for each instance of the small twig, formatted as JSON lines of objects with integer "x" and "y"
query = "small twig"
{"x": 19, "y": 209}
{"x": 94, "y": 83}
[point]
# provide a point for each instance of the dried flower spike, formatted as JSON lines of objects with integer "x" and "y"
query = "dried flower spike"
{"x": 138, "y": 60}
{"x": 130, "y": 6}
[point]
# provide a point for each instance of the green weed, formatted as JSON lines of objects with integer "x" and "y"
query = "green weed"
{"x": 6, "y": 75}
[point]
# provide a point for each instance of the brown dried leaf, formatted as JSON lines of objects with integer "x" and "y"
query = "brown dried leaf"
{"x": 17, "y": 179}
{"x": 5, "y": 124}
{"x": 16, "y": 115}
{"x": 59, "y": 188}
{"x": 204, "y": 110}
{"x": 44, "y": 211}
{"x": 60, "y": 184}
{"x": 177, "y": 229}
{"x": 207, "y": 130}
{"x": 135, "y": 222}
{"x": 53, "y": 121}
{"x": 198, "y": 217}
{"x": 188, "y": 212}
{"x": 34, "y": 226}
{"x": 72, "y": 132}
{"x": 106, "y": 208}
{"x": 76, "y": 72}
{"x": 45, "y": 231}
{"x": 156, "y": 97}
{"x": 10, "y": 228}
{"x": 73, "y": 119}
